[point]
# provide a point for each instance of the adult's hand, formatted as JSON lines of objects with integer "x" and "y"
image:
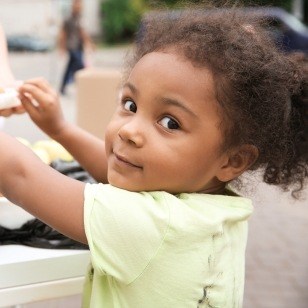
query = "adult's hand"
{"x": 11, "y": 111}
{"x": 7, "y": 112}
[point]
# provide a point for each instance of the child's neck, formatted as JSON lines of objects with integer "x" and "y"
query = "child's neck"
{"x": 219, "y": 189}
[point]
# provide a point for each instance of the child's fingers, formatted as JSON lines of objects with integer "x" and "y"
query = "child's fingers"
{"x": 42, "y": 84}
{"x": 39, "y": 82}
{"x": 28, "y": 105}
{"x": 41, "y": 97}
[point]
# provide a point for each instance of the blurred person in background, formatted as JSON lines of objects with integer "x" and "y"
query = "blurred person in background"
{"x": 73, "y": 40}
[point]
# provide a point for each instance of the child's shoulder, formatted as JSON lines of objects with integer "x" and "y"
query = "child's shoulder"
{"x": 229, "y": 200}
{"x": 229, "y": 196}
{"x": 229, "y": 205}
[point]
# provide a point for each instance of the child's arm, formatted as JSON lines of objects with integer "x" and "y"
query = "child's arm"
{"x": 88, "y": 150}
{"x": 52, "y": 197}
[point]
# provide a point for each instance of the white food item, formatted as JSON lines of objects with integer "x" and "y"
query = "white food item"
{"x": 9, "y": 98}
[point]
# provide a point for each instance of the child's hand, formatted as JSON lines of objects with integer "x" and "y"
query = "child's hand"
{"x": 42, "y": 104}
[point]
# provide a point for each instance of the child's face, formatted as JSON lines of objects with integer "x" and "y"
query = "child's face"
{"x": 165, "y": 134}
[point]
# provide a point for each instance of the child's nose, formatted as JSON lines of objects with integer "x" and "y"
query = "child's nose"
{"x": 132, "y": 132}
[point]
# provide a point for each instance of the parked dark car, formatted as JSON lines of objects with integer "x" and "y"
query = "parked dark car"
{"x": 27, "y": 43}
{"x": 287, "y": 31}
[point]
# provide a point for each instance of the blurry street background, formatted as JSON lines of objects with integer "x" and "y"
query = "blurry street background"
{"x": 51, "y": 65}
{"x": 277, "y": 251}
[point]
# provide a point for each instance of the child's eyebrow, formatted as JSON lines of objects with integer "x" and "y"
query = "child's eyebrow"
{"x": 176, "y": 103}
{"x": 131, "y": 87}
{"x": 163, "y": 100}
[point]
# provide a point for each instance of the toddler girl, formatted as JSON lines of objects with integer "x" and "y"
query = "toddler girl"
{"x": 205, "y": 100}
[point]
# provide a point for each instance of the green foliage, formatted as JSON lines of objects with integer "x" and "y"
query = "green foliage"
{"x": 120, "y": 19}
{"x": 174, "y": 3}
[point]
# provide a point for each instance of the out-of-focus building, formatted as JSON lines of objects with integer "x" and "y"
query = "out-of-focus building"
{"x": 43, "y": 17}
{"x": 298, "y": 9}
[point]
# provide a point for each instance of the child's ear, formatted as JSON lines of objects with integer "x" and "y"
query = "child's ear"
{"x": 238, "y": 160}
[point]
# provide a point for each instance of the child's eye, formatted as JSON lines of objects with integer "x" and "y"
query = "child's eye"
{"x": 130, "y": 106}
{"x": 169, "y": 123}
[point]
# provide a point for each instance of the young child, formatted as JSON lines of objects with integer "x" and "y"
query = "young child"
{"x": 205, "y": 99}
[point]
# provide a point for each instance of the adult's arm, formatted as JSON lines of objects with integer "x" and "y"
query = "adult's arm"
{"x": 7, "y": 78}
{"x": 6, "y": 75}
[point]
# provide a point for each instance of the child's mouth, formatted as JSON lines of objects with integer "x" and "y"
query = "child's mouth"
{"x": 125, "y": 161}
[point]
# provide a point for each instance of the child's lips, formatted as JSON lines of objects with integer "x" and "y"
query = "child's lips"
{"x": 126, "y": 161}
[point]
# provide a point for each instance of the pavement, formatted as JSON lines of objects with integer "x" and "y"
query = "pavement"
{"x": 277, "y": 250}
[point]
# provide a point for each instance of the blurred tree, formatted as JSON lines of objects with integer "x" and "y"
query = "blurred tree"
{"x": 120, "y": 19}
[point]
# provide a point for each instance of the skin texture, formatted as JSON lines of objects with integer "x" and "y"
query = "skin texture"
{"x": 143, "y": 152}
{"x": 262, "y": 91}
{"x": 165, "y": 135}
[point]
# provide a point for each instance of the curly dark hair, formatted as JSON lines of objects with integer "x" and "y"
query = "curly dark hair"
{"x": 263, "y": 92}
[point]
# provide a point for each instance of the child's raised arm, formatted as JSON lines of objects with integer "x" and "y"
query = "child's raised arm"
{"x": 42, "y": 104}
{"x": 52, "y": 197}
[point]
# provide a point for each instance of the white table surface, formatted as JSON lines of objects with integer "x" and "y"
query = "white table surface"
{"x": 20, "y": 253}
{"x": 20, "y": 265}
{"x": 30, "y": 274}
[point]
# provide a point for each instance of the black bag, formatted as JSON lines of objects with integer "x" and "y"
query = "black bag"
{"x": 35, "y": 233}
